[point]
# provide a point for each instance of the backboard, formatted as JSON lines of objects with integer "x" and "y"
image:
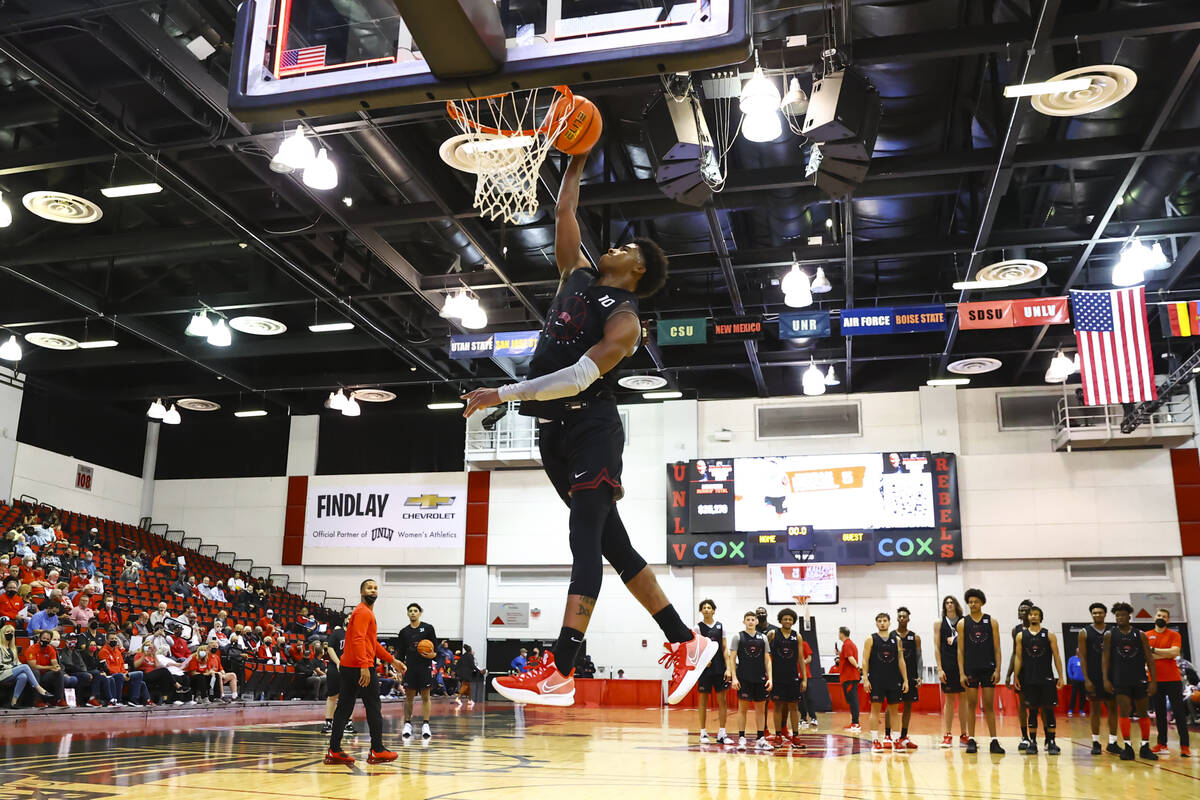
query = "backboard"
{"x": 816, "y": 580}
{"x": 305, "y": 58}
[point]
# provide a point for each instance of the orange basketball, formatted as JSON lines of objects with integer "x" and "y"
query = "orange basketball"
{"x": 583, "y": 124}
{"x": 425, "y": 648}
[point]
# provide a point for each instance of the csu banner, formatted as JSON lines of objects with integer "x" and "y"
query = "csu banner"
{"x": 415, "y": 514}
{"x": 690, "y": 330}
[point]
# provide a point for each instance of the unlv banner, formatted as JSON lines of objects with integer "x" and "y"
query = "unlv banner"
{"x": 413, "y": 515}
{"x": 1013, "y": 313}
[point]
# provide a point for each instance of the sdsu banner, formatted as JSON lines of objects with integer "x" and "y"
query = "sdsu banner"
{"x": 1013, "y": 313}
{"x": 386, "y": 517}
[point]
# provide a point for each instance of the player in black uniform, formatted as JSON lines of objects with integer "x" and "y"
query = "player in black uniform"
{"x": 419, "y": 675}
{"x": 1091, "y": 660}
{"x": 750, "y": 663}
{"x": 787, "y": 678}
{"x": 592, "y": 326}
{"x": 1022, "y": 713}
{"x": 1035, "y": 651}
{"x": 714, "y": 677}
{"x": 1129, "y": 674}
{"x": 332, "y": 656}
{"x": 946, "y": 632}
{"x": 979, "y": 665}
{"x": 911, "y": 643}
{"x": 886, "y": 677}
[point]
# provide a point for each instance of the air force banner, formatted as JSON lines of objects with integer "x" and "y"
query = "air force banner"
{"x": 386, "y": 517}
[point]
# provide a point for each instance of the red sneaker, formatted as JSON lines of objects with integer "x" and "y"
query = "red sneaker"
{"x": 381, "y": 757}
{"x": 39, "y": 704}
{"x": 947, "y": 741}
{"x": 543, "y": 686}
{"x": 93, "y": 702}
{"x": 887, "y": 744}
{"x": 877, "y": 746}
{"x": 1159, "y": 748}
{"x": 963, "y": 739}
{"x": 797, "y": 744}
{"x": 338, "y": 757}
{"x": 686, "y": 660}
{"x": 853, "y": 728}
{"x": 1186, "y": 752}
{"x": 906, "y": 743}
{"x": 61, "y": 704}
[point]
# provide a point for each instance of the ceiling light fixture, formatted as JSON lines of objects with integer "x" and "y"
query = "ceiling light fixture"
{"x": 157, "y": 410}
{"x": 446, "y": 406}
{"x": 813, "y": 381}
{"x": 257, "y": 412}
{"x": 330, "y": 327}
{"x": 98, "y": 344}
{"x": 1135, "y": 260}
{"x": 5, "y": 213}
{"x": 131, "y": 190}
{"x": 820, "y": 283}
{"x": 10, "y": 350}
{"x": 336, "y": 400}
{"x": 662, "y": 395}
{"x": 1061, "y": 367}
{"x": 455, "y": 305}
{"x": 199, "y": 325}
{"x": 352, "y": 408}
{"x": 759, "y": 104}
{"x": 321, "y": 174}
{"x": 795, "y": 101}
{"x": 1047, "y": 87}
{"x": 295, "y": 152}
{"x": 831, "y": 378}
{"x": 797, "y": 291}
{"x": 172, "y": 416}
{"x": 220, "y": 336}
{"x": 474, "y": 317}
{"x": 947, "y": 381}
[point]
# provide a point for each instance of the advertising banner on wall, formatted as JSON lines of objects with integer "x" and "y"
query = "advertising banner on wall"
{"x": 387, "y": 517}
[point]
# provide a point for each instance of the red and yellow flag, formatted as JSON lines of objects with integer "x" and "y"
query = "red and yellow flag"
{"x": 1181, "y": 319}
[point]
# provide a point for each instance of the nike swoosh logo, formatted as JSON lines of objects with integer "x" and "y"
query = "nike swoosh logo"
{"x": 581, "y": 473}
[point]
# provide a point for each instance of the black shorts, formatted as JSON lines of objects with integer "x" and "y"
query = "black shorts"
{"x": 885, "y": 694}
{"x": 712, "y": 680}
{"x": 755, "y": 692}
{"x": 785, "y": 691}
{"x": 419, "y": 674}
{"x": 1134, "y": 691}
{"x": 583, "y": 449}
{"x": 1039, "y": 695}
{"x": 333, "y": 680}
{"x": 979, "y": 678}
{"x": 1101, "y": 694}
{"x": 913, "y": 694}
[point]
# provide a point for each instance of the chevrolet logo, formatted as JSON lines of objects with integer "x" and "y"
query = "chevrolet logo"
{"x": 429, "y": 501}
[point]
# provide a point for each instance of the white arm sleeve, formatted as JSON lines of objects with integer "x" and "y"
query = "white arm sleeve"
{"x": 566, "y": 382}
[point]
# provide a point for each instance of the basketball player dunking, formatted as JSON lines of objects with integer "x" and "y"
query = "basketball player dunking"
{"x": 592, "y": 327}
{"x": 979, "y": 665}
{"x": 1091, "y": 661}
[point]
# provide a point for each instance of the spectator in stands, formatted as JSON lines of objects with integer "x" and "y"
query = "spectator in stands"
{"x": 518, "y": 664}
{"x": 95, "y": 584}
{"x": 193, "y": 589}
{"x": 201, "y": 675}
{"x": 160, "y": 639}
{"x": 78, "y": 581}
{"x": 163, "y": 675}
{"x": 181, "y": 587}
{"x": 236, "y": 584}
{"x": 131, "y": 570}
{"x": 112, "y": 656}
{"x": 218, "y": 593}
{"x": 42, "y": 658}
{"x": 305, "y": 624}
{"x": 76, "y": 674}
{"x": 310, "y": 678}
{"x": 224, "y": 677}
{"x": 70, "y": 560}
{"x": 108, "y": 611}
{"x": 30, "y": 572}
{"x": 221, "y": 620}
{"x": 90, "y": 538}
{"x": 160, "y": 615}
{"x": 39, "y": 535}
{"x": 106, "y": 686}
{"x": 267, "y": 622}
{"x": 89, "y": 563}
{"x": 92, "y": 633}
{"x": 205, "y": 588}
{"x": 13, "y": 670}
{"x": 12, "y": 606}
{"x": 267, "y": 652}
{"x": 218, "y": 638}
{"x": 82, "y": 613}
{"x": 45, "y": 621}
{"x": 162, "y": 563}
{"x": 21, "y": 547}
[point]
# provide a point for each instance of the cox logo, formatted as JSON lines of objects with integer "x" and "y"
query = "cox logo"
{"x": 706, "y": 551}
{"x": 905, "y": 547}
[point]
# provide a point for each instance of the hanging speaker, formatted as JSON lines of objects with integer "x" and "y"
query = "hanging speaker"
{"x": 861, "y": 146}
{"x": 837, "y": 108}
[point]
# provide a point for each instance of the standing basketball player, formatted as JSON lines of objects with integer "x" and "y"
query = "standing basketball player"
{"x": 1127, "y": 658}
{"x": 1165, "y": 644}
{"x": 911, "y": 644}
{"x": 786, "y": 682}
{"x": 979, "y": 665}
{"x": 419, "y": 674}
{"x": 358, "y": 678}
{"x": 1091, "y": 660}
{"x": 946, "y": 631}
{"x": 715, "y": 676}
{"x": 1035, "y": 653}
{"x": 750, "y": 663}
{"x": 332, "y": 654}
{"x": 1022, "y": 712}
{"x": 886, "y": 678}
{"x": 592, "y": 327}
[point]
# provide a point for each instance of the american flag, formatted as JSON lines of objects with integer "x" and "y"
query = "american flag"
{"x": 304, "y": 58}
{"x": 1114, "y": 346}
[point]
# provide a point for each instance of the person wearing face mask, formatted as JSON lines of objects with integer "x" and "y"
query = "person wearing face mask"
{"x": 107, "y": 612}
{"x": 11, "y": 603}
{"x": 164, "y": 677}
{"x": 112, "y": 659}
{"x": 12, "y": 670}
{"x": 77, "y": 676}
{"x": 1165, "y": 645}
{"x": 92, "y": 634}
{"x": 42, "y": 658}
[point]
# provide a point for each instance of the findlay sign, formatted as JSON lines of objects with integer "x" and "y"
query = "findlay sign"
{"x": 401, "y": 516}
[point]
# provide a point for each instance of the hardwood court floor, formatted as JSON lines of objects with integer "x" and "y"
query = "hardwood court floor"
{"x": 499, "y": 751}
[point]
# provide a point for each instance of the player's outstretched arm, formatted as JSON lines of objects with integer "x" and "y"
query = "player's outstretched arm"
{"x": 567, "y": 240}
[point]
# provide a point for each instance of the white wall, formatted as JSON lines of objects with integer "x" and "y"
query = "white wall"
{"x": 50, "y": 478}
{"x": 244, "y": 515}
{"x": 10, "y": 417}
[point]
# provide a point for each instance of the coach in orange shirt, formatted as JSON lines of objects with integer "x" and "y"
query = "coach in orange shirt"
{"x": 1165, "y": 644}
{"x": 357, "y": 677}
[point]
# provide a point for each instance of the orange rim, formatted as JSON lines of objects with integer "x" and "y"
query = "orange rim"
{"x": 457, "y": 116}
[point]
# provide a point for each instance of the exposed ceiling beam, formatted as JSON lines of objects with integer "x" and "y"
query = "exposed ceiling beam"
{"x": 717, "y": 235}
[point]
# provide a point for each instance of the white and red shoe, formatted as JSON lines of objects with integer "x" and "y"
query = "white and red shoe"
{"x": 543, "y": 686}
{"x": 947, "y": 741}
{"x": 686, "y": 660}
{"x": 876, "y": 746}
{"x": 887, "y": 744}
{"x": 905, "y": 743}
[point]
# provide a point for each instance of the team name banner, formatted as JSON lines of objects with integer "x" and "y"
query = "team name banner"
{"x": 728, "y": 329}
{"x": 803, "y": 325}
{"x": 901, "y": 319}
{"x": 1014, "y": 313}
{"x": 387, "y": 517}
{"x": 513, "y": 344}
{"x": 691, "y": 330}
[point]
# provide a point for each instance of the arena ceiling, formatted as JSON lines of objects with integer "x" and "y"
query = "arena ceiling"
{"x": 95, "y": 92}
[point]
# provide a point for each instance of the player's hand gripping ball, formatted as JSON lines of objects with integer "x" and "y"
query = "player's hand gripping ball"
{"x": 582, "y": 128}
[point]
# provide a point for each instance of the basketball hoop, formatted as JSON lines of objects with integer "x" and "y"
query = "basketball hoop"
{"x": 802, "y": 602}
{"x": 504, "y": 146}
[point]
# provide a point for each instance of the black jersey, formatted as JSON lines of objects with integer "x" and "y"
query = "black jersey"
{"x": 574, "y": 324}
{"x": 883, "y": 668}
{"x": 1036, "y": 657}
{"x": 785, "y": 658}
{"x": 1127, "y": 658}
{"x": 948, "y": 643}
{"x": 909, "y": 642}
{"x": 751, "y": 657}
{"x": 716, "y": 632}
{"x": 408, "y": 639}
{"x": 979, "y": 648}
{"x": 337, "y": 641}
{"x": 1095, "y": 654}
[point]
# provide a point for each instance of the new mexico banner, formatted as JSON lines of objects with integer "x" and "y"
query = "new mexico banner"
{"x": 385, "y": 517}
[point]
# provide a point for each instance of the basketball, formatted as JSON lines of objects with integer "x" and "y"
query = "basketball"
{"x": 583, "y": 127}
{"x": 425, "y": 648}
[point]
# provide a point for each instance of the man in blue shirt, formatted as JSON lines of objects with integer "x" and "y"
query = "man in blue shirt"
{"x": 45, "y": 620}
{"x": 518, "y": 664}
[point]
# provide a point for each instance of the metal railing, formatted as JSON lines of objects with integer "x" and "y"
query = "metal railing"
{"x": 1107, "y": 419}
{"x": 479, "y": 441}
{"x": 226, "y": 557}
{"x": 175, "y": 537}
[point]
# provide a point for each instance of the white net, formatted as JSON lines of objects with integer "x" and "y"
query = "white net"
{"x": 505, "y": 146}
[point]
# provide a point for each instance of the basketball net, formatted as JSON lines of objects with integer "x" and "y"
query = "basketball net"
{"x": 505, "y": 148}
{"x": 802, "y": 602}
